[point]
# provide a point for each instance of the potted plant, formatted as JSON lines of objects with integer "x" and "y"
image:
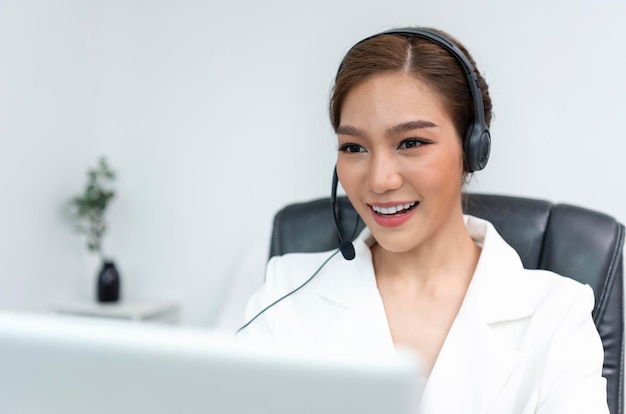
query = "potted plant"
{"x": 89, "y": 213}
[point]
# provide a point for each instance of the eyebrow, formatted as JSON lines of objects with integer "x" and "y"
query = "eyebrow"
{"x": 396, "y": 129}
{"x": 409, "y": 126}
{"x": 349, "y": 130}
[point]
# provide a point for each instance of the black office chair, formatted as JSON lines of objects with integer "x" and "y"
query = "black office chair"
{"x": 575, "y": 242}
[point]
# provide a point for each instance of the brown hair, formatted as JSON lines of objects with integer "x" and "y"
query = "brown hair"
{"x": 424, "y": 59}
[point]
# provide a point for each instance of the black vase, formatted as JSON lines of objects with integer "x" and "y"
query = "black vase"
{"x": 108, "y": 286}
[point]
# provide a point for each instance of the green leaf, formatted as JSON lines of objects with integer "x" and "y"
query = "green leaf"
{"x": 88, "y": 208}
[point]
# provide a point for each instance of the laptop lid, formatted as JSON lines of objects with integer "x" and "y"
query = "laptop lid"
{"x": 67, "y": 364}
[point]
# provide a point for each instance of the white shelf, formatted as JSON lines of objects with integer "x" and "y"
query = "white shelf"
{"x": 133, "y": 309}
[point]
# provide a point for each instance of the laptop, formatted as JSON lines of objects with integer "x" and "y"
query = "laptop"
{"x": 61, "y": 364}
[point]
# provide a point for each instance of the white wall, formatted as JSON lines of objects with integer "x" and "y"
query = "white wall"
{"x": 47, "y": 134}
{"x": 214, "y": 115}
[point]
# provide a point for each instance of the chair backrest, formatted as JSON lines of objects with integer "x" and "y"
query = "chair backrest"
{"x": 572, "y": 241}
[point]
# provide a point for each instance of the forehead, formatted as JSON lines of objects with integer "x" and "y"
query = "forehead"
{"x": 391, "y": 98}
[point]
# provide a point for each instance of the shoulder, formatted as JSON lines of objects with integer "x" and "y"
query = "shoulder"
{"x": 304, "y": 293}
{"x": 277, "y": 300}
{"x": 555, "y": 294}
{"x": 505, "y": 288}
{"x": 329, "y": 268}
{"x": 551, "y": 295}
{"x": 502, "y": 263}
{"x": 287, "y": 272}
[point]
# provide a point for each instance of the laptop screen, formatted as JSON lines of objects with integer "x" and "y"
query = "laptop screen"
{"x": 67, "y": 364}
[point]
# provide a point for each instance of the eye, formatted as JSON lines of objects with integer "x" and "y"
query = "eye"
{"x": 351, "y": 148}
{"x": 412, "y": 143}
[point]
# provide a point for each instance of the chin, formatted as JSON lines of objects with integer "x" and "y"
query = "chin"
{"x": 395, "y": 243}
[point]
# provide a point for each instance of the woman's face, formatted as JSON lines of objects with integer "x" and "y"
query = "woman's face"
{"x": 400, "y": 161}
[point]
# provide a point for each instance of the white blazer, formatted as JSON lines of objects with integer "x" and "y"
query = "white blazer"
{"x": 522, "y": 342}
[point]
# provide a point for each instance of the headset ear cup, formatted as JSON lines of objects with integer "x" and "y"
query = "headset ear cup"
{"x": 477, "y": 146}
{"x": 484, "y": 149}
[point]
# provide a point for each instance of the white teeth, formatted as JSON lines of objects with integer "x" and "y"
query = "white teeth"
{"x": 393, "y": 209}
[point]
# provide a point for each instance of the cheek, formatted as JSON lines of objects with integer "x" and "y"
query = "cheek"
{"x": 351, "y": 179}
{"x": 443, "y": 172}
{"x": 346, "y": 175}
{"x": 451, "y": 161}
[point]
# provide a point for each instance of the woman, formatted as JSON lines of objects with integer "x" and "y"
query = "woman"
{"x": 492, "y": 336}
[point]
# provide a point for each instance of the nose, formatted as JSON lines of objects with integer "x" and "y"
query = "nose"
{"x": 383, "y": 174}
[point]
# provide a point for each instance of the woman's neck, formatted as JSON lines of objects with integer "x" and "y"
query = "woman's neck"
{"x": 445, "y": 260}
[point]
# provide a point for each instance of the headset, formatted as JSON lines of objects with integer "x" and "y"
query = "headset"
{"x": 345, "y": 246}
{"x": 476, "y": 143}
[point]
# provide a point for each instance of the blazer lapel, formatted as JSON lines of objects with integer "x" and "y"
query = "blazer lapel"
{"x": 473, "y": 366}
{"x": 360, "y": 322}
{"x": 480, "y": 351}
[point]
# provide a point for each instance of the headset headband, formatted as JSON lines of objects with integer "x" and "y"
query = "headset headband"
{"x": 472, "y": 78}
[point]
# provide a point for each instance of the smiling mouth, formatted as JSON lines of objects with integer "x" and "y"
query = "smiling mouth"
{"x": 392, "y": 211}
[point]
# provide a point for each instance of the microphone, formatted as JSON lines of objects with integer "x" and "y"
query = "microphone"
{"x": 347, "y": 250}
{"x": 345, "y": 247}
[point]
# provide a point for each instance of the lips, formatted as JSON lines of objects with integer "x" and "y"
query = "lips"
{"x": 394, "y": 209}
{"x": 393, "y": 214}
